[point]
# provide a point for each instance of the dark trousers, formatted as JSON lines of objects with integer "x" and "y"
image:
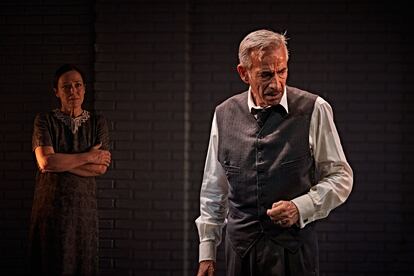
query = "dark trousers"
{"x": 267, "y": 258}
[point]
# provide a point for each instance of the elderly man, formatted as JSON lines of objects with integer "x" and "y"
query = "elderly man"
{"x": 274, "y": 166}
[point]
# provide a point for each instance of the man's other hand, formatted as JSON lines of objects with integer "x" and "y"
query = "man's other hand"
{"x": 206, "y": 268}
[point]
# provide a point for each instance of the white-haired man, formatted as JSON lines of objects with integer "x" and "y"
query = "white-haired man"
{"x": 274, "y": 166}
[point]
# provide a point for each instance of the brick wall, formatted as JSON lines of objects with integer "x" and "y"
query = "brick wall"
{"x": 157, "y": 69}
{"x": 139, "y": 85}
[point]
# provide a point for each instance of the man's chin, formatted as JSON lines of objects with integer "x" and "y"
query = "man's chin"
{"x": 273, "y": 100}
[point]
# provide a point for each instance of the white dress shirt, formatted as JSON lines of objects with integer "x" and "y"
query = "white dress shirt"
{"x": 333, "y": 188}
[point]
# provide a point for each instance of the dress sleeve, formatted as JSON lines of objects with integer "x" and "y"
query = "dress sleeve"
{"x": 102, "y": 132}
{"x": 41, "y": 132}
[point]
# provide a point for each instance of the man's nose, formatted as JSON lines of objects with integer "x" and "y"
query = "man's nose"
{"x": 275, "y": 83}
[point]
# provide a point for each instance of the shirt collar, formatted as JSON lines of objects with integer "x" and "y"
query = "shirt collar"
{"x": 250, "y": 102}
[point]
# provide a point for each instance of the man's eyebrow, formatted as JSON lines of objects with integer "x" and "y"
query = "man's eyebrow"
{"x": 266, "y": 70}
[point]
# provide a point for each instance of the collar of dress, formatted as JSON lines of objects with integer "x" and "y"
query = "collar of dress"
{"x": 72, "y": 123}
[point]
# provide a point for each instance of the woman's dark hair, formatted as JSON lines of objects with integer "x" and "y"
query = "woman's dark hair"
{"x": 66, "y": 68}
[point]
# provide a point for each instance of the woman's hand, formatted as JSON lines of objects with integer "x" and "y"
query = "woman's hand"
{"x": 98, "y": 156}
{"x": 49, "y": 161}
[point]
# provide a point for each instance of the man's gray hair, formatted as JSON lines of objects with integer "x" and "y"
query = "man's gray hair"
{"x": 259, "y": 40}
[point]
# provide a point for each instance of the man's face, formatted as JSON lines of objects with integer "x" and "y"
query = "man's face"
{"x": 267, "y": 75}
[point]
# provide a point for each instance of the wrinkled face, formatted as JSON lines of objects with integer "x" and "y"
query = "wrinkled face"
{"x": 70, "y": 90}
{"x": 267, "y": 75}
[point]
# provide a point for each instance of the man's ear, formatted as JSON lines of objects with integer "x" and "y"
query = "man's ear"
{"x": 54, "y": 90}
{"x": 244, "y": 75}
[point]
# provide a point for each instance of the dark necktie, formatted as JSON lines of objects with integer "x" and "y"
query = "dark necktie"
{"x": 263, "y": 113}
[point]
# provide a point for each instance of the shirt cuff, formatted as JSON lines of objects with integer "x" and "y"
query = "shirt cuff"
{"x": 306, "y": 209}
{"x": 207, "y": 251}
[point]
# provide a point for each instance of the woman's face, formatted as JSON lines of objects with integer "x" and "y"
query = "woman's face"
{"x": 71, "y": 91}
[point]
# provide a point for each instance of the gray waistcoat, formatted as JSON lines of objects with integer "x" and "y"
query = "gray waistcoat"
{"x": 264, "y": 165}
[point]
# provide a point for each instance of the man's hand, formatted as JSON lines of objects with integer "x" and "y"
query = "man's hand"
{"x": 284, "y": 213}
{"x": 206, "y": 268}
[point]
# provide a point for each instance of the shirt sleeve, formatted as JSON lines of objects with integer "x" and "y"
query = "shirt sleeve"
{"x": 335, "y": 174}
{"x": 213, "y": 200}
{"x": 41, "y": 133}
